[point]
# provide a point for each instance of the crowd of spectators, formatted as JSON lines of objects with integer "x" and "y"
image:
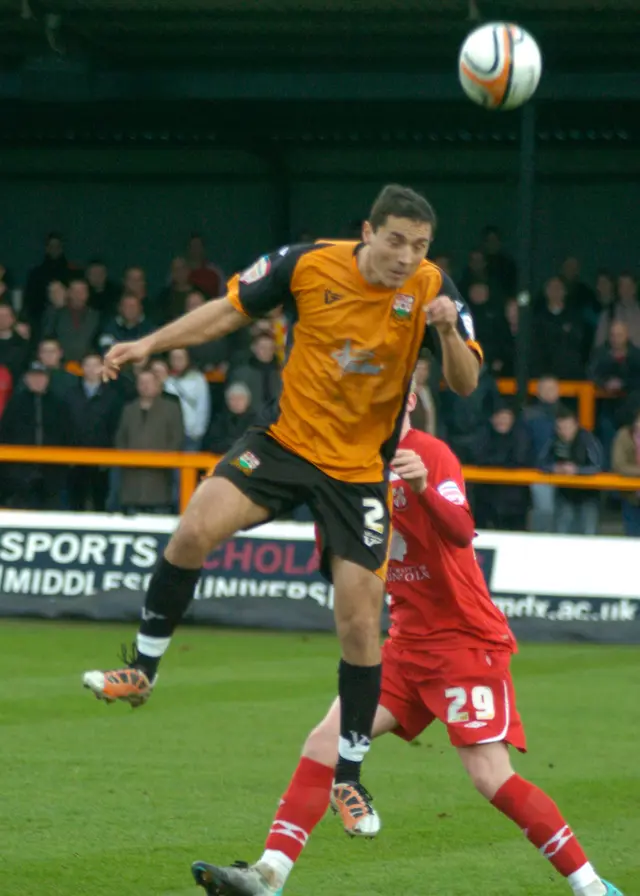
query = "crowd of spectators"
{"x": 57, "y": 324}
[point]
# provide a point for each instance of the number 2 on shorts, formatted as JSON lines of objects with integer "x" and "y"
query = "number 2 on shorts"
{"x": 481, "y": 700}
{"x": 373, "y": 513}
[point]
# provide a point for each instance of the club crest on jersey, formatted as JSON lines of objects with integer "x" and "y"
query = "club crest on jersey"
{"x": 402, "y": 306}
{"x": 399, "y": 498}
{"x": 246, "y": 463}
{"x": 257, "y": 271}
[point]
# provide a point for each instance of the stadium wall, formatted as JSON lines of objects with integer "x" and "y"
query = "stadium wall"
{"x": 96, "y": 567}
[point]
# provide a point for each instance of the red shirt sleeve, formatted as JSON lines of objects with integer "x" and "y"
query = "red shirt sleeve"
{"x": 452, "y": 520}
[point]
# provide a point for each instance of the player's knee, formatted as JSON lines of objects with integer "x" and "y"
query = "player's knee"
{"x": 488, "y": 769}
{"x": 321, "y": 746}
{"x": 189, "y": 544}
{"x": 359, "y": 635}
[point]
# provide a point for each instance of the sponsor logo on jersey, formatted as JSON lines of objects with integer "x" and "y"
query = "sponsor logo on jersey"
{"x": 451, "y": 491}
{"x": 356, "y": 360}
{"x": 257, "y": 271}
{"x": 476, "y": 725}
{"x": 402, "y": 306}
{"x": 246, "y": 463}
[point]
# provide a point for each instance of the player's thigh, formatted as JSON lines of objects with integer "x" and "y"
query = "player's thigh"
{"x": 322, "y": 743}
{"x": 400, "y": 697}
{"x": 472, "y": 693}
{"x": 217, "y": 510}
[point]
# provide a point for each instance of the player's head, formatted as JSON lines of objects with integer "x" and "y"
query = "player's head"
{"x": 398, "y": 234}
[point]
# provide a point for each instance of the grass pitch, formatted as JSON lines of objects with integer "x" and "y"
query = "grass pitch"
{"x": 106, "y": 801}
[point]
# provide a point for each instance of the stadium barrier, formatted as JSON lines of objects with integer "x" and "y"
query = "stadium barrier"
{"x": 97, "y": 567}
{"x": 190, "y": 464}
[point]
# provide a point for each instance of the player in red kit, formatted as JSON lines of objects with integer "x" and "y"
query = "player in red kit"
{"x": 447, "y": 658}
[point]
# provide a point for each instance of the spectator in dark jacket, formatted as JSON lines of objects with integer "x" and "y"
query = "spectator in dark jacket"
{"x": 54, "y": 266}
{"x": 491, "y": 326}
{"x": 76, "y": 326}
{"x": 104, "y": 294}
{"x": 94, "y": 410}
{"x": 60, "y": 380}
{"x": 504, "y": 443}
{"x": 559, "y": 336}
{"x": 130, "y": 323}
{"x": 232, "y": 421}
{"x": 540, "y": 422}
{"x": 171, "y": 301}
{"x": 34, "y": 417}
{"x": 615, "y": 368}
{"x": 261, "y": 371}
{"x": 465, "y": 417}
{"x": 575, "y": 452}
{"x": 14, "y": 350}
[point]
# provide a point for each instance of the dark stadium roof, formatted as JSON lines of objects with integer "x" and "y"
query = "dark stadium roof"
{"x": 289, "y": 34}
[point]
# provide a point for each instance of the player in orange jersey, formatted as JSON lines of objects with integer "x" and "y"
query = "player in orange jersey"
{"x": 360, "y": 314}
{"x": 447, "y": 658}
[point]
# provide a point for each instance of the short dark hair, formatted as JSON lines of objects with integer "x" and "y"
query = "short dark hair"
{"x": 400, "y": 202}
{"x": 565, "y": 413}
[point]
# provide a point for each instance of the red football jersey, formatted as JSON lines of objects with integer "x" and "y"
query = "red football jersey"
{"x": 439, "y": 597}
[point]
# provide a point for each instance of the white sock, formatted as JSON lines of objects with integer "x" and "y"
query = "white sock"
{"x": 585, "y": 882}
{"x": 154, "y": 647}
{"x": 279, "y": 862}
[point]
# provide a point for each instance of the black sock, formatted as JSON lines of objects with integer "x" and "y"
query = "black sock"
{"x": 168, "y": 597}
{"x": 359, "y": 689}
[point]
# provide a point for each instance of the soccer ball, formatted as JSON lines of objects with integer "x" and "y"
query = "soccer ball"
{"x": 499, "y": 66}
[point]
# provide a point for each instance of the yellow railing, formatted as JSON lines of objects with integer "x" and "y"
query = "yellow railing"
{"x": 190, "y": 464}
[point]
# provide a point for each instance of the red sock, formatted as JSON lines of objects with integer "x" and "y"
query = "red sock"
{"x": 301, "y": 808}
{"x": 540, "y": 819}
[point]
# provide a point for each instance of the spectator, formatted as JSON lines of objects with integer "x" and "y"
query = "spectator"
{"x": 76, "y": 326}
{"x": 135, "y": 283}
{"x": 580, "y": 297}
{"x": 5, "y": 285}
{"x": 233, "y": 421}
{"x": 210, "y": 355}
{"x": 50, "y": 356}
{"x": 626, "y": 462}
{"x": 261, "y": 371}
{"x": 490, "y": 323}
{"x": 504, "y": 443}
{"x": 129, "y": 323}
{"x": 625, "y": 309}
{"x": 558, "y": 336}
{"x": 103, "y": 293}
{"x": 540, "y": 422}
{"x": 192, "y": 389}
{"x": 501, "y": 268}
{"x": 172, "y": 299}
{"x": 476, "y": 271}
{"x": 615, "y": 369}
{"x": 616, "y": 365}
{"x": 424, "y": 416}
{"x": 205, "y": 276}
{"x": 54, "y": 266}
{"x": 574, "y": 452}
{"x": 504, "y": 364}
{"x": 14, "y": 349}
{"x": 465, "y": 417}
{"x": 94, "y": 410}
{"x": 56, "y": 299}
{"x": 34, "y": 416}
{"x": 149, "y": 423}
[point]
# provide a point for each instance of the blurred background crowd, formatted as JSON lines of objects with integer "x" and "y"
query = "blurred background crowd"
{"x": 58, "y": 319}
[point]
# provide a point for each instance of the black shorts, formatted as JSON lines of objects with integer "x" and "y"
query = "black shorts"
{"x": 353, "y": 518}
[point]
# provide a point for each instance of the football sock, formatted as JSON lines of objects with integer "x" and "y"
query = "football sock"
{"x": 543, "y": 825}
{"x": 168, "y": 597}
{"x": 301, "y": 808}
{"x": 359, "y": 689}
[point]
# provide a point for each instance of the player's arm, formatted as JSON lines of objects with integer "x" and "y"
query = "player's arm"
{"x": 259, "y": 289}
{"x": 444, "y": 502}
{"x": 461, "y": 355}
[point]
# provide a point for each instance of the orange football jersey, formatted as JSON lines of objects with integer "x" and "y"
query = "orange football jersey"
{"x": 351, "y": 352}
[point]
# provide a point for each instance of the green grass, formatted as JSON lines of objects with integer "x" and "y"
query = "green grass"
{"x": 105, "y": 801}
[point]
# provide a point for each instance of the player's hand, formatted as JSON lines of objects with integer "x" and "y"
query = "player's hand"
{"x": 124, "y": 353}
{"x": 409, "y": 466}
{"x": 442, "y": 313}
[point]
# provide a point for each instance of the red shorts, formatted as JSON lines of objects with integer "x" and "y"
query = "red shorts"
{"x": 470, "y": 690}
